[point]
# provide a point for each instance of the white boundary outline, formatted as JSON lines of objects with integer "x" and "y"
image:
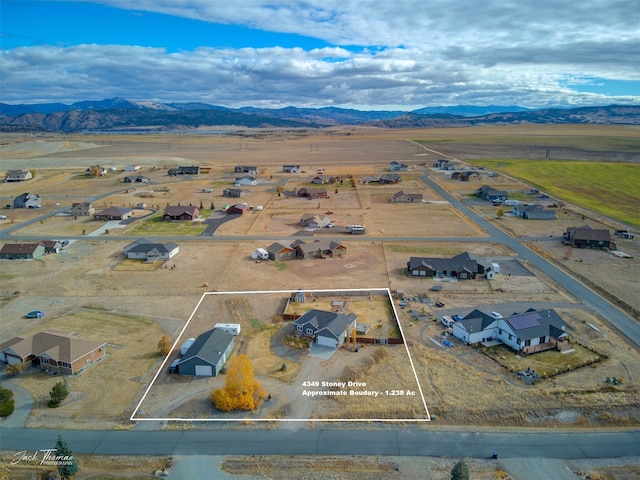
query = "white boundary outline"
{"x": 133, "y": 417}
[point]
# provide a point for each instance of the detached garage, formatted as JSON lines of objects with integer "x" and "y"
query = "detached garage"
{"x": 207, "y": 355}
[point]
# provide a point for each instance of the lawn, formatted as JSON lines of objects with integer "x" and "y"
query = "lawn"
{"x": 610, "y": 189}
{"x": 156, "y": 225}
{"x": 546, "y": 363}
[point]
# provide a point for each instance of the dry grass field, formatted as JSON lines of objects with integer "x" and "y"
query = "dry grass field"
{"x": 92, "y": 272}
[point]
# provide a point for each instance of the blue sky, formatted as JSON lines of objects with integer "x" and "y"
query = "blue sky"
{"x": 370, "y": 54}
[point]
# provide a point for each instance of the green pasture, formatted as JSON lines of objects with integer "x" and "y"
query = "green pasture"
{"x": 610, "y": 189}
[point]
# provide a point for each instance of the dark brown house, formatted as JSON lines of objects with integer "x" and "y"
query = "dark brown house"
{"x": 177, "y": 212}
{"x": 587, "y": 237}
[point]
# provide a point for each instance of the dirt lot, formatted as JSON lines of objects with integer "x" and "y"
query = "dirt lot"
{"x": 90, "y": 273}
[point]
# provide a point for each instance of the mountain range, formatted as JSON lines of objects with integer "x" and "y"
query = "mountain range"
{"x": 119, "y": 114}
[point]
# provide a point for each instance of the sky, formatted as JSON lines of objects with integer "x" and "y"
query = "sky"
{"x": 364, "y": 54}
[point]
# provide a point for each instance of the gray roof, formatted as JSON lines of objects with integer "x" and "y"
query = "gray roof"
{"x": 476, "y": 321}
{"x": 146, "y": 247}
{"x": 209, "y": 346}
{"x": 325, "y": 322}
{"x": 277, "y": 246}
{"x": 458, "y": 263}
{"x": 534, "y": 324}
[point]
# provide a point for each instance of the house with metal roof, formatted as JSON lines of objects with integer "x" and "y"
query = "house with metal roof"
{"x": 208, "y": 354}
{"x": 329, "y": 329}
{"x": 18, "y": 176}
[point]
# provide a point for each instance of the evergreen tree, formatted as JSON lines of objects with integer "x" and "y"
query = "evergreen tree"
{"x": 67, "y": 465}
{"x": 460, "y": 471}
{"x": 58, "y": 393}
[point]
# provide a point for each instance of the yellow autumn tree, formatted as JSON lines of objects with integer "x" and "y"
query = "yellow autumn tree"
{"x": 164, "y": 345}
{"x": 241, "y": 391}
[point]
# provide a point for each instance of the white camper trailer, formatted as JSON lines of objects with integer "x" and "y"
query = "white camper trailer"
{"x": 262, "y": 254}
{"x": 232, "y": 328}
{"x": 186, "y": 346}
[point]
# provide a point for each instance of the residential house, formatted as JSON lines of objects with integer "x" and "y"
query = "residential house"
{"x": 465, "y": 175}
{"x": 184, "y": 170}
{"x": 136, "y": 179}
{"x": 27, "y": 200}
{"x": 461, "y": 266}
{"x": 587, "y": 237}
{"x": 246, "y": 180}
{"x": 489, "y": 193}
{"x": 246, "y": 169}
{"x": 389, "y": 178}
{"x": 207, "y": 355}
{"x": 18, "y": 176}
{"x": 312, "y": 193}
{"x": 314, "y": 221}
{"x": 529, "y": 332}
{"x": 323, "y": 179}
{"x": 291, "y": 168}
{"x": 401, "y": 197}
{"x": 279, "y": 251}
{"x": 443, "y": 164}
{"x": 113, "y": 213}
{"x": 82, "y": 209}
{"x": 143, "y": 249}
{"x": 398, "y": 167}
{"x": 367, "y": 179}
{"x": 96, "y": 171}
{"x": 235, "y": 192}
{"x": 180, "y": 213}
{"x": 53, "y": 350}
{"x": 51, "y": 246}
{"x": 319, "y": 249}
{"x": 534, "y": 212}
{"x": 237, "y": 209}
{"x": 21, "y": 251}
{"x": 329, "y": 329}
{"x": 132, "y": 168}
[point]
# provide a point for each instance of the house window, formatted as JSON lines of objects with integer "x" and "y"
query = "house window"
{"x": 309, "y": 331}
{"x": 543, "y": 339}
{"x": 510, "y": 337}
{"x": 93, "y": 353}
{"x": 527, "y": 343}
{"x": 499, "y": 331}
{"x": 299, "y": 327}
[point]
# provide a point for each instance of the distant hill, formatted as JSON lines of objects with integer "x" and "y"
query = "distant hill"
{"x": 612, "y": 114}
{"x": 118, "y": 114}
{"x": 469, "y": 110}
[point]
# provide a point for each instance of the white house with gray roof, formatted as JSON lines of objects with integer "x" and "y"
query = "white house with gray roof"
{"x": 329, "y": 329}
{"x": 144, "y": 249}
{"x": 528, "y": 332}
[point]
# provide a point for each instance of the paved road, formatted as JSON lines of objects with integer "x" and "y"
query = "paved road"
{"x": 620, "y": 320}
{"x": 388, "y": 442}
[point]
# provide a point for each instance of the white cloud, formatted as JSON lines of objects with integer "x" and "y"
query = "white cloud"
{"x": 409, "y": 52}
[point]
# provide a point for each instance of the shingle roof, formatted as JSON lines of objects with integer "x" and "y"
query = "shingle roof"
{"x": 326, "y": 322}
{"x": 209, "y": 346}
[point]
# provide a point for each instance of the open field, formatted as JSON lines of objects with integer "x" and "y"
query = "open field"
{"x": 609, "y": 189}
{"x": 461, "y": 386}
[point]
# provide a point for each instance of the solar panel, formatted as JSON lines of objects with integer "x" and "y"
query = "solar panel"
{"x": 525, "y": 321}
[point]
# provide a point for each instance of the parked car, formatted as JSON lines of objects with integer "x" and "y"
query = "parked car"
{"x": 3, "y": 217}
{"x": 456, "y": 318}
{"x": 34, "y": 314}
